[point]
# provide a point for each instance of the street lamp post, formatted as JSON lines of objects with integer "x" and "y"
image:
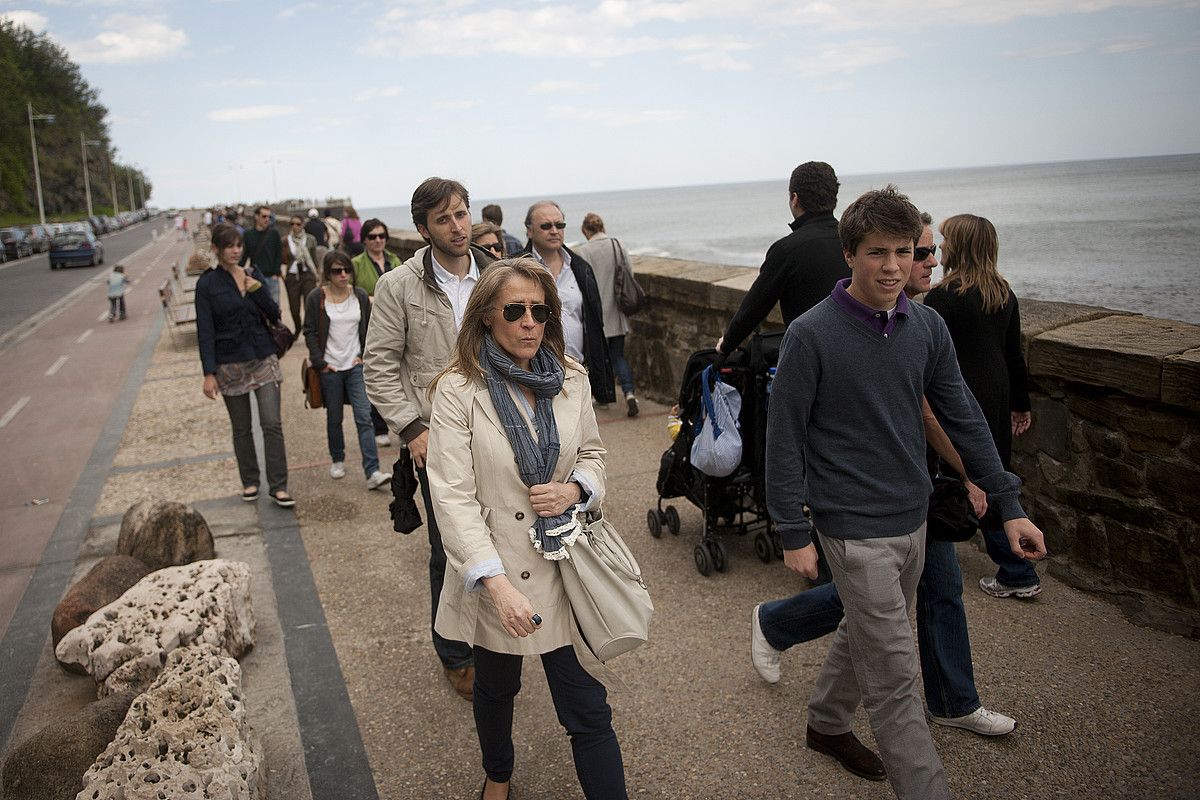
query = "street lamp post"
{"x": 112, "y": 185}
{"x": 129, "y": 181}
{"x": 37, "y": 174}
{"x": 84, "y": 144}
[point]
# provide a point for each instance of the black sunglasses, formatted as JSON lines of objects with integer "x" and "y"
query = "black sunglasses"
{"x": 548, "y": 225}
{"x": 495, "y": 246}
{"x": 922, "y": 253}
{"x": 515, "y": 311}
{"x": 338, "y": 271}
{"x": 376, "y": 236}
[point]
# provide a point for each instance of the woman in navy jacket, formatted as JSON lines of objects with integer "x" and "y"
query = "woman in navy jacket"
{"x": 238, "y": 357}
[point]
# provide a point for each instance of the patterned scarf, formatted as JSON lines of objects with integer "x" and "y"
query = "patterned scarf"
{"x": 535, "y": 460}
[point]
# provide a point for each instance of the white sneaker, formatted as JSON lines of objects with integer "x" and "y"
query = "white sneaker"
{"x": 981, "y": 721}
{"x": 383, "y": 440}
{"x": 997, "y": 589}
{"x": 378, "y": 479}
{"x": 764, "y": 657}
{"x": 337, "y": 470}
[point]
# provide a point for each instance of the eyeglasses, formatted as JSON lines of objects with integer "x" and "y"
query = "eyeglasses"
{"x": 515, "y": 311}
{"x": 370, "y": 236}
{"x": 297, "y": 224}
{"x": 548, "y": 225}
{"x": 922, "y": 253}
{"x": 338, "y": 271}
{"x": 496, "y": 246}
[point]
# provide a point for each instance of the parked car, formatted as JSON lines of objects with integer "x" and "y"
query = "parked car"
{"x": 39, "y": 236}
{"x": 112, "y": 223}
{"x": 97, "y": 225}
{"x": 16, "y": 242}
{"x": 75, "y": 247}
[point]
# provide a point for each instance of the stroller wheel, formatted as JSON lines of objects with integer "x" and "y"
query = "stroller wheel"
{"x": 720, "y": 558}
{"x": 763, "y": 548}
{"x": 704, "y": 563}
{"x": 672, "y": 520}
{"x": 654, "y": 523}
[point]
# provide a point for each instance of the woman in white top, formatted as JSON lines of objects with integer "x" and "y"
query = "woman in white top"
{"x": 335, "y": 330}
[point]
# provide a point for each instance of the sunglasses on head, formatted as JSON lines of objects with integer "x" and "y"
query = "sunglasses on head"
{"x": 338, "y": 271}
{"x": 376, "y": 236}
{"x": 922, "y": 253}
{"x": 548, "y": 225}
{"x": 515, "y": 311}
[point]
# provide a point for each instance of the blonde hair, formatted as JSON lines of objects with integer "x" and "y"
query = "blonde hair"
{"x": 970, "y": 250}
{"x": 465, "y": 358}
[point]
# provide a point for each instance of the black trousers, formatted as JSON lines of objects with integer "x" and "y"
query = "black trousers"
{"x": 581, "y": 703}
{"x": 454, "y": 655}
{"x": 298, "y": 286}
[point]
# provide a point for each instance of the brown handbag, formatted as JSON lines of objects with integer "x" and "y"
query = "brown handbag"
{"x": 310, "y": 380}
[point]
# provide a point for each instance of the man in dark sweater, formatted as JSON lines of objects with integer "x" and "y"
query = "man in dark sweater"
{"x": 845, "y": 428}
{"x": 264, "y": 249}
{"x": 801, "y": 268}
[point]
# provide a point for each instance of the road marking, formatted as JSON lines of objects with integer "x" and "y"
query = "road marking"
{"x": 102, "y": 317}
{"x": 83, "y": 336}
{"x": 57, "y": 365}
{"x": 12, "y": 412}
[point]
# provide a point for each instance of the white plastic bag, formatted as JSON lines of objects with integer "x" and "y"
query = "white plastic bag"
{"x": 717, "y": 448}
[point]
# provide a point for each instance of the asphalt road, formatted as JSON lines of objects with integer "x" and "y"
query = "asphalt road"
{"x": 28, "y": 285}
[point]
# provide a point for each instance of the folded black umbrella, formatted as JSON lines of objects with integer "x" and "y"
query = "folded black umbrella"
{"x": 405, "y": 517}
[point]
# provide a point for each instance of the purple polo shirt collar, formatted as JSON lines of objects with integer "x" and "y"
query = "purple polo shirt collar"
{"x": 873, "y": 318}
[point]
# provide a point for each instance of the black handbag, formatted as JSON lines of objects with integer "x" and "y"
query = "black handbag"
{"x": 280, "y": 334}
{"x": 631, "y": 298}
{"x": 951, "y": 517}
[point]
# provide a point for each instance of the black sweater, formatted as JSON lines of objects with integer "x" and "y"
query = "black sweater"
{"x": 316, "y": 324}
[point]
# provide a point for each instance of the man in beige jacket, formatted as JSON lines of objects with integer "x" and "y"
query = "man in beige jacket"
{"x": 414, "y": 322}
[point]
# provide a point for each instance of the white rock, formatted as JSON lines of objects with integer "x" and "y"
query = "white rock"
{"x": 186, "y": 737}
{"x": 124, "y": 644}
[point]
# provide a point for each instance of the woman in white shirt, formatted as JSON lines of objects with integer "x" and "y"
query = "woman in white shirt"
{"x": 335, "y": 330}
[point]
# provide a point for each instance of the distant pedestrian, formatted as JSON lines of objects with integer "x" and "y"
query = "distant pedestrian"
{"x": 375, "y": 259}
{"x": 488, "y": 236}
{"x": 316, "y": 228}
{"x": 117, "y": 284}
{"x": 351, "y": 233}
{"x": 492, "y": 213}
{"x": 984, "y": 320}
{"x": 299, "y": 262}
{"x": 605, "y": 254}
{"x": 333, "y": 226}
{"x": 238, "y": 357}
{"x": 180, "y": 233}
{"x": 335, "y": 330}
{"x": 264, "y": 249}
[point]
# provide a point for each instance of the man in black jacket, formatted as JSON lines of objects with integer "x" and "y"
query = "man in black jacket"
{"x": 582, "y": 312}
{"x": 801, "y": 268}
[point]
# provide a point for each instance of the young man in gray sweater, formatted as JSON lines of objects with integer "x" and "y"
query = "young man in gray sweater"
{"x": 845, "y": 435}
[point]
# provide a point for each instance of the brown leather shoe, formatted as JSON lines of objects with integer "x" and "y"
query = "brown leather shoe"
{"x": 849, "y": 752}
{"x": 462, "y": 679}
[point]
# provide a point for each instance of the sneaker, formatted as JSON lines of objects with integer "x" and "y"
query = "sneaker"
{"x": 764, "y": 657}
{"x": 997, "y": 589}
{"x": 337, "y": 470}
{"x": 981, "y": 721}
{"x": 383, "y": 440}
{"x": 631, "y": 405}
{"x": 378, "y": 479}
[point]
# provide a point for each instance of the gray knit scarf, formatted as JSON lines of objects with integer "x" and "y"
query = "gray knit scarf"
{"x": 535, "y": 460}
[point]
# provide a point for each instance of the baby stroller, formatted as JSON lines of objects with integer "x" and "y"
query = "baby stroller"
{"x": 735, "y": 504}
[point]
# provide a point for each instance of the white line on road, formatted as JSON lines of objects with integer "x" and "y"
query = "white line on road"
{"x": 102, "y": 317}
{"x": 57, "y": 365}
{"x": 83, "y": 336}
{"x": 12, "y": 412}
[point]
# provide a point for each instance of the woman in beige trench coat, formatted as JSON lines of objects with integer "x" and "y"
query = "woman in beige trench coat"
{"x": 514, "y": 456}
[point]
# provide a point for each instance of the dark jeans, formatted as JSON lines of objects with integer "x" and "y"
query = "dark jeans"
{"x": 616, "y": 354}
{"x": 241, "y": 419}
{"x": 581, "y": 703}
{"x": 298, "y": 286}
{"x": 335, "y": 387}
{"x": 454, "y": 655}
{"x": 945, "y": 647}
{"x": 1013, "y": 571}
{"x": 116, "y": 306}
{"x": 377, "y": 421}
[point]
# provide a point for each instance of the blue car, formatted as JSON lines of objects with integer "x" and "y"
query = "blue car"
{"x": 70, "y": 248}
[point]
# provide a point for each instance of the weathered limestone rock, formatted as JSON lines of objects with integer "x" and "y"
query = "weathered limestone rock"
{"x": 104, "y": 583}
{"x": 164, "y": 533}
{"x": 50, "y": 764}
{"x": 124, "y": 644}
{"x": 186, "y": 737}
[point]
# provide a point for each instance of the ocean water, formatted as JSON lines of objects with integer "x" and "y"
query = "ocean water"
{"x": 1119, "y": 233}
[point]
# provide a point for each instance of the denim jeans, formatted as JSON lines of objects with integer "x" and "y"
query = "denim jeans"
{"x": 581, "y": 703}
{"x": 238, "y": 406}
{"x": 454, "y": 655}
{"x": 616, "y": 354}
{"x": 945, "y": 646}
{"x": 335, "y": 387}
{"x": 1013, "y": 571}
{"x": 116, "y": 306}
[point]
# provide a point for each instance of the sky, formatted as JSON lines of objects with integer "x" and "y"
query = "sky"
{"x": 225, "y": 101}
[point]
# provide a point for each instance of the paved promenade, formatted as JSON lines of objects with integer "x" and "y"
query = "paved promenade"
{"x": 348, "y": 697}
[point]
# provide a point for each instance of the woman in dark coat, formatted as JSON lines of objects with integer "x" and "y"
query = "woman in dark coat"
{"x": 985, "y": 323}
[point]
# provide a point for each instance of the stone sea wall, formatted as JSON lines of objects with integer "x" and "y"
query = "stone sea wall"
{"x": 1111, "y": 466}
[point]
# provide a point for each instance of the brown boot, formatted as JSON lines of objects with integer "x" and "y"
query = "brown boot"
{"x": 849, "y": 752}
{"x": 462, "y": 679}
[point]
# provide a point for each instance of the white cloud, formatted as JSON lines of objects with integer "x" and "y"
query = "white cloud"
{"x": 30, "y": 19}
{"x": 126, "y": 38}
{"x": 561, "y": 87}
{"x": 1126, "y": 46}
{"x": 382, "y": 91}
{"x": 845, "y": 58}
{"x": 292, "y": 11}
{"x": 455, "y": 105}
{"x": 248, "y": 113}
{"x": 1052, "y": 50}
{"x": 617, "y": 118}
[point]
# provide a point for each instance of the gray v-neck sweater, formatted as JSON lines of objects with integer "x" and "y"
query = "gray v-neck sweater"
{"x": 845, "y": 421}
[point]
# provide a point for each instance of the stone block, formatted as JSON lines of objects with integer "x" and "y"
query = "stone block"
{"x": 163, "y": 533}
{"x": 1124, "y": 353}
{"x": 1138, "y": 418}
{"x": 1049, "y": 430}
{"x": 104, "y": 583}
{"x": 124, "y": 644}
{"x": 1039, "y": 316}
{"x": 1120, "y": 475}
{"x": 186, "y": 737}
{"x": 1147, "y": 561}
{"x": 1181, "y": 380}
{"x": 1174, "y": 485}
{"x": 50, "y": 764}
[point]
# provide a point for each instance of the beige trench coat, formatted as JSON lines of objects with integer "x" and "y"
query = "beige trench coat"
{"x": 484, "y": 513}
